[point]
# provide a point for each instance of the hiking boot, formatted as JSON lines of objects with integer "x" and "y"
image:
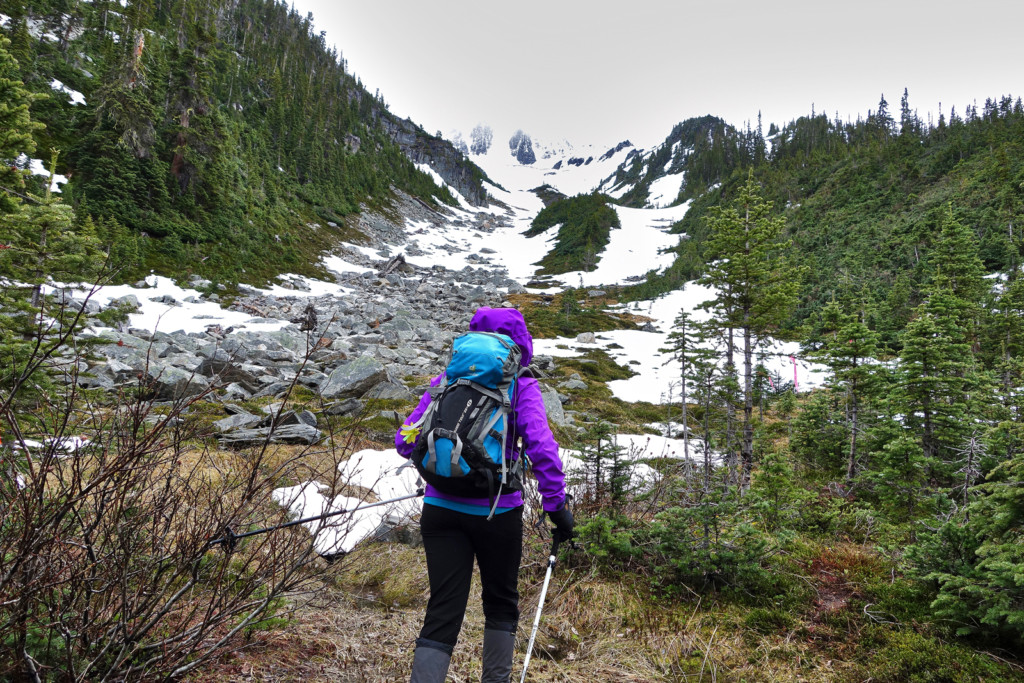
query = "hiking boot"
{"x": 497, "y": 659}
{"x": 429, "y": 665}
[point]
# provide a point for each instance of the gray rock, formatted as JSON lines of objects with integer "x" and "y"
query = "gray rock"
{"x": 239, "y": 421}
{"x": 277, "y": 389}
{"x": 552, "y": 405}
{"x": 354, "y": 378}
{"x": 306, "y": 417}
{"x": 95, "y": 380}
{"x": 169, "y": 383}
{"x": 348, "y": 407}
{"x": 586, "y": 338}
{"x": 272, "y": 409}
{"x": 389, "y": 390}
{"x": 288, "y": 434}
{"x": 545, "y": 363}
{"x": 225, "y": 372}
{"x": 394, "y": 529}
{"x": 165, "y": 299}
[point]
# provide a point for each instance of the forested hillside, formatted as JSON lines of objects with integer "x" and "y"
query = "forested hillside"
{"x": 223, "y": 138}
{"x": 864, "y": 200}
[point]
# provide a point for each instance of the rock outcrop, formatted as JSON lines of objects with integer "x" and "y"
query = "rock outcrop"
{"x": 521, "y": 147}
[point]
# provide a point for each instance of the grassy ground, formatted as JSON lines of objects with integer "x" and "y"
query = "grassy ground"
{"x": 844, "y": 614}
{"x": 614, "y": 628}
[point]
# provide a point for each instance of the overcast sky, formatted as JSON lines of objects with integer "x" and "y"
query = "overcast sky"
{"x": 600, "y": 72}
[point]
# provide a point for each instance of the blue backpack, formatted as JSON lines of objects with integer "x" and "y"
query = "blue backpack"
{"x": 461, "y": 447}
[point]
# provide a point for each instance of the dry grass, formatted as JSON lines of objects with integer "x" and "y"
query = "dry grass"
{"x": 594, "y": 629}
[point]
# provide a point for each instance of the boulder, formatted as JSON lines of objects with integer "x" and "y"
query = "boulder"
{"x": 169, "y": 383}
{"x": 289, "y": 434}
{"x": 349, "y": 407}
{"x": 239, "y": 421}
{"x": 389, "y": 390}
{"x": 354, "y": 378}
{"x": 552, "y": 405}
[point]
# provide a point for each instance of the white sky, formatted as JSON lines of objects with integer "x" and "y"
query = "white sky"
{"x": 599, "y": 72}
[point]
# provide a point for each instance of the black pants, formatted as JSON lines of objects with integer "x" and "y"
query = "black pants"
{"x": 451, "y": 541}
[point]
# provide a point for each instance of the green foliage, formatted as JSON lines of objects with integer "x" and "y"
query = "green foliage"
{"x": 608, "y": 538}
{"x": 41, "y": 245}
{"x": 569, "y": 313}
{"x": 710, "y": 544}
{"x": 225, "y": 140}
{"x": 766, "y": 620}
{"x": 906, "y": 656}
{"x": 17, "y": 126}
{"x": 976, "y": 559}
{"x": 605, "y": 476}
{"x": 775, "y": 497}
{"x": 863, "y": 204}
{"x": 585, "y": 222}
{"x": 755, "y": 285}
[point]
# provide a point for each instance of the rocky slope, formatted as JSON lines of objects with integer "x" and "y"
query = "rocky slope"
{"x": 376, "y": 335}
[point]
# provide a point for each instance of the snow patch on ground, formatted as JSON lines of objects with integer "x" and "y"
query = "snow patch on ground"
{"x": 38, "y": 167}
{"x": 664, "y": 190}
{"x": 76, "y": 97}
{"x": 658, "y": 374}
{"x": 379, "y": 471}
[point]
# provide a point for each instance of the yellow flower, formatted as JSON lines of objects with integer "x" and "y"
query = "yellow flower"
{"x": 409, "y": 433}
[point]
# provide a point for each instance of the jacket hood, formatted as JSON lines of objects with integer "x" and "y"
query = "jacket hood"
{"x": 507, "y": 321}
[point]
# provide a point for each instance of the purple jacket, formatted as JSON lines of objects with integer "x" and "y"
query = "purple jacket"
{"x": 530, "y": 419}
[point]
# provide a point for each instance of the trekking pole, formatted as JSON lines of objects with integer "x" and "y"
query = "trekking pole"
{"x": 230, "y": 538}
{"x": 552, "y": 559}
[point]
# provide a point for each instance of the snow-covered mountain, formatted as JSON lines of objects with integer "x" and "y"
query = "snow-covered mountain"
{"x": 691, "y": 158}
{"x": 566, "y": 167}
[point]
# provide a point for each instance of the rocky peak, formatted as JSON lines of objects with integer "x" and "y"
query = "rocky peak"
{"x": 480, "y": 139}
{"x": 521, "y": 147}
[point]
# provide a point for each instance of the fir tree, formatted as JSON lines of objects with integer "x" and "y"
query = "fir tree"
{"x": 16, "y": 128}
{"x": 977, "y": 559}
{"x": 688, "y": 347}
{"x": 756, "y": 285}
{"x": 43, "y": 247}
{"x": 850, "y": 351}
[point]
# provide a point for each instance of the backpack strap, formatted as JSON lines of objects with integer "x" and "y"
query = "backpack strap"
{"x": 531, "y": 371}
{"x": 430, "y": 463}
{"x": 498, "y": 396}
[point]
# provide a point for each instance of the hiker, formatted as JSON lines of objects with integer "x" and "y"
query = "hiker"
{"x": 458, "y": 528}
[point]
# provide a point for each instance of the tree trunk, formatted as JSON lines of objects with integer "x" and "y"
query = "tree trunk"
{"x": 730, "y": 411}
{"x": 851, "y": 463}
{"x": 747, "y": 456}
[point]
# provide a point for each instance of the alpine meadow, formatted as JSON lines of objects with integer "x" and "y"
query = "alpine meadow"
{"x": 783, "y": 363}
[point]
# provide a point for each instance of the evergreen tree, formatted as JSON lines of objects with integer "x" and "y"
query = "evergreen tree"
{"x": 43, "y": 246}
{"x": 756, "y": 285}
{"x": 16, "y": 128}
{"x": 688, "y": 347}
{"x": 850, "y": 352}
{"x": 942, "y": 394}
{"x": 977, "y": 559}
{"x": 605, "y": 473}
{"x": 955, "y": 262}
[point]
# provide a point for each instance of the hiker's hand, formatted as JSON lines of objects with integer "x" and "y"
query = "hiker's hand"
{"x": 409, "y": 433}
{"x": 564, "y": 523}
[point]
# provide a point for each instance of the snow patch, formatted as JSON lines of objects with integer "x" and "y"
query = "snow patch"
{"x": 76, "y": 97}
{"x": 665, "y": 189}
